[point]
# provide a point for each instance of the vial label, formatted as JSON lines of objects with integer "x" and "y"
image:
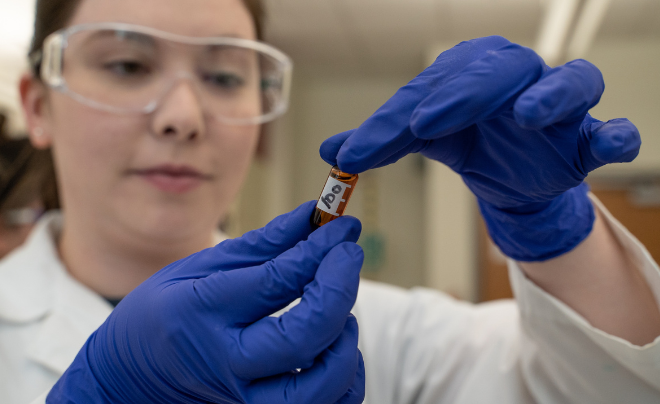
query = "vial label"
{"x": 332, "y": 196}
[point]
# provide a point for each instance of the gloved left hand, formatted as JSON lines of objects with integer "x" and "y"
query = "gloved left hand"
{"x": 198, "y": 330}
{"x": 517, "y": 132}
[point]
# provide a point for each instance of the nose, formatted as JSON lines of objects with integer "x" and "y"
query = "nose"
{"x": 179, "y": 115}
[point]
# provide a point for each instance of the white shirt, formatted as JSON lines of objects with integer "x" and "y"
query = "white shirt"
{"x": 420, "y": 346}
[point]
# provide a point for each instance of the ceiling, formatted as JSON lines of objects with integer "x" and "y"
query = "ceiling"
{"x": 389, "y": 36}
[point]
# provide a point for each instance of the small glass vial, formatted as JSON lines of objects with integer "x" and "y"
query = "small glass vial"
{"x": 334, "y": 197}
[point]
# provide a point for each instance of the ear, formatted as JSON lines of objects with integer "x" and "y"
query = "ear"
{"x": 34, "y": 97}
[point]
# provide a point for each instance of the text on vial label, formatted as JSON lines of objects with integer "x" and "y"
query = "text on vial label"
{"x": 332, "y": 196}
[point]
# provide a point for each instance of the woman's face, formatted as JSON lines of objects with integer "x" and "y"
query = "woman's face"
{"x": 170, "y": 174}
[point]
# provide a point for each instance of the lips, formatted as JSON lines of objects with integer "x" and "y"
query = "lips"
{"x": 175, "y": 179}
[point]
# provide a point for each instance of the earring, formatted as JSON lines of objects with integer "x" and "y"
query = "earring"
{"x": 38, "y": 132}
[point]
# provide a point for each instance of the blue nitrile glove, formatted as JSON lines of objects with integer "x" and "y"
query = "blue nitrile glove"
{"x": 198, "y": 332}
{"x": 516, "y": 130}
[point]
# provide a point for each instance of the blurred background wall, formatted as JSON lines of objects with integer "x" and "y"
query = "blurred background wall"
{"x": 421, "y": 225}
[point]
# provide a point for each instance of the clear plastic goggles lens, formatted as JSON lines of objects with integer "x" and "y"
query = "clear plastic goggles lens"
{"x": 131, "y": 69}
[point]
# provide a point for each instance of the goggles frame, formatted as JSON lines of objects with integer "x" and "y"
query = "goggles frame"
{"x": 52, "y": 58}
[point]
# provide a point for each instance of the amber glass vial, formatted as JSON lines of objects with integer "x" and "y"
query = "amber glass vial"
{"x": 334, "y": 197}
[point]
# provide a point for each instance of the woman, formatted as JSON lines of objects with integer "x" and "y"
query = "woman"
{"x": 139, "y": 190}
{"x": 145, "y": 178}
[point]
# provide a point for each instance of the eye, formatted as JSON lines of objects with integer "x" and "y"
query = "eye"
{"x": 126, "y": 68}
{"x": 270, "y": 84}
{"x": 224, "y": 80}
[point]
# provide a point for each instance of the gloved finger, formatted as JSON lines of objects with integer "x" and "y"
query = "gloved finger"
{"x": 246, "y": 295}
{"x": 330, "y": 146}
{"x": 261, "y": 245}
{"x": 251, "y": 249}
{"x": 385, "y": 135}
{"x": 484, "y": 89}
{"x": 333, "y": 373}
{"x": 275, "y": 345}
{"x": 417, "y": 145}
{"x": 565, "y": 93}
{"x": 614, "y": 141}
{"x": 355, "y": 394}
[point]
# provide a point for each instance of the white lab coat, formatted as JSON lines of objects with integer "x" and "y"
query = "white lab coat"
{"x": 419, "y": 346}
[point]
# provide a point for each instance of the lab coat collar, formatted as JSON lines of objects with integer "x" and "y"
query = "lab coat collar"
{"x": 36, "y": 288}
{"x": 27, "y": 272}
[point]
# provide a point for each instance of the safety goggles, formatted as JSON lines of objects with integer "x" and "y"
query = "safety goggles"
{"x": 125, "y": 68}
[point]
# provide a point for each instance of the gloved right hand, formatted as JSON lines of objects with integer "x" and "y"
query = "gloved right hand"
{"x": 198, "y": 330}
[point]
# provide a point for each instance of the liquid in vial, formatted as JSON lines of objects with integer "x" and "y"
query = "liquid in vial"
{"x": 334, "y": 197}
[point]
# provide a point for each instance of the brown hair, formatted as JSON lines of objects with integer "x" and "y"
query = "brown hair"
{"x": 52, "y": 15}
{"x": 26, "y": 174}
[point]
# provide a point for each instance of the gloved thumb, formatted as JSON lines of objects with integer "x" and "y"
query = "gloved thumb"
{"x": 614, "y": 141}
{"x": 252, "y": 249}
